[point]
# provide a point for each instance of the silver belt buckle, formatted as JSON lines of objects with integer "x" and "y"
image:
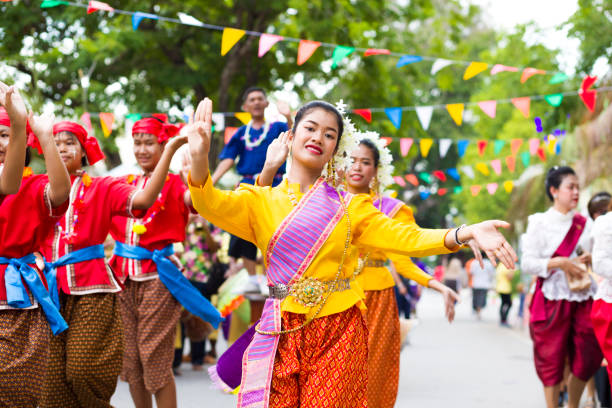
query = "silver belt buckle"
{"x": 279, "y": 291}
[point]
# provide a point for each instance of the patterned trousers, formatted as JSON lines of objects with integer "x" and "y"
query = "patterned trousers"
{"x": 324, "y": 365}
{"x": 84, "y": 362}
{"x": 24, "y": 340}
{"x": 150, "y": 314}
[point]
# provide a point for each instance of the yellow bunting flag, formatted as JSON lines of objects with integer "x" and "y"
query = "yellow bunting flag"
{"x": 456, "y": 112}
{"x": 552, "y": 144}
{"x": 474, "y": 69}
{"x": 106, "y": 121}
{"x": 508, "y": 186}
{"x": 483, "y": 168}
{"x": 244, "y": 117}
{"x": 230, "y": 38}
{"x": 425, "y": 145}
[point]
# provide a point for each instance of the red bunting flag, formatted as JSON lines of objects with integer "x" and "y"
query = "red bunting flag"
{"x": 412, "y": 179}
{"x": 482, "y": 145}
{"x": 98, "y": 5}
{"x": 399, "y": 181}
{"x": 306, "y": 49}
{"x": 588, "y": 96}
{"x": 405, "y": 145}
{"x": 515, "y": 145}
{"x": 364, "y": 113}
{"x": 376, "y": 51}
{"x": 439, "y": 174}
{"x": 511, "y": 163}
{"x": 522, "y": 104}
{"x": 387, "y": 140}
{"x": 106, "y": 121}
{"x": 442, "y": 191}
{"x": 229, "y": 132}
{"x": 541, "y": 154}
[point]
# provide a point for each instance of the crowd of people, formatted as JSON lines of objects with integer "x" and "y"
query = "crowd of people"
{"x": 339, "y": 258}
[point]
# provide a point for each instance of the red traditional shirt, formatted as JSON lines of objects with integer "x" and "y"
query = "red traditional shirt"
{"x": 26, "y": 220}
{"x": 162, "y": 225}
{"x": 93, "y": 203}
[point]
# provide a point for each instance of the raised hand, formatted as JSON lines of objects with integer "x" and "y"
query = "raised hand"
{"x": 278, "y": 150}
{"x": 487, "y": 237}
{"x": 14, "y": 105}
{"x": 42, "y": 126}
{"x": 283, "y": 108}
{"x": 175, "y": 142}
{"x": 199, "y": 131}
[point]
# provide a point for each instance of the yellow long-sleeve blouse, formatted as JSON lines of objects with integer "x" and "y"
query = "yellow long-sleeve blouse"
{"x": 254, "y": 213}
{"x": 379, "y": 278}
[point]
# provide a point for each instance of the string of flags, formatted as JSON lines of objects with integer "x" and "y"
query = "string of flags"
{"x": 306, "y": 48}
{"x": 475, "y": 189}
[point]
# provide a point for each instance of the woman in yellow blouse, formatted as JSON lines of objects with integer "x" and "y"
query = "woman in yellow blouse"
{"x": 310, "y": 347}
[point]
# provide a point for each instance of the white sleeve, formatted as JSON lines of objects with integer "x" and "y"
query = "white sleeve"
{"x": 532, "y": 261}
{"x": 602, "y": 246}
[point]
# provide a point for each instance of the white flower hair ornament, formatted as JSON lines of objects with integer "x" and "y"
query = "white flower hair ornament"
{"x": 348, "y": 142}
{"x": 385, "y": 166}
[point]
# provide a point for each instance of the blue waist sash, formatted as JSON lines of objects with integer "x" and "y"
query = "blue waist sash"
{"x": 179, "y": 286}
{"x": 84, "y": 254}
{"x": 17, "y": 296}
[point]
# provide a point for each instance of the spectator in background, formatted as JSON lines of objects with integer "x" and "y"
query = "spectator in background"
{"x": 453, "y": 274}
{"x": 503, "y": 285}
{"x": 482, "y": 281}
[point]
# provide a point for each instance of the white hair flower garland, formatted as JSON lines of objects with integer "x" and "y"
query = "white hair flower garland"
{"x": 348, "y": 142}
{"x": 385, "y": 166}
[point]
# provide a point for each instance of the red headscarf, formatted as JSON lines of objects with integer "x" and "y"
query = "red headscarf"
{"x": 89, "y": 143}
{"x": 4, "y": 117}
{"x": 157, "y": 125}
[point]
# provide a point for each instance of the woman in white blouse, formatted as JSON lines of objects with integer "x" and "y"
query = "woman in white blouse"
{"x": 560, "y": 323}
{"x": 602, "y": 266}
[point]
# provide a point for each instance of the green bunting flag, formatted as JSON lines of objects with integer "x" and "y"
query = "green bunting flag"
{"x": 52, "y": 3}
{"x": 340, "y": 53}
{"x": 554, "y": 99}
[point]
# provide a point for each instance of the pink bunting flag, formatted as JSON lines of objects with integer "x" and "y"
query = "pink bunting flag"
{"x": 522, "y": 104}
{"x": 364, "y": 113}
{"x": 533, "y": 146}
{"x": 497, "y": 166}
{"x": 387, "y": 140}
{"x": 488, "y": 107}
{"x": 405, "y": 145}
{"x": 492, "y": 188}
{"x": 515, "y": 145}
{"x": 588, "y": 96}
{"x": 94, "y": 6}
{"x": 412, "y": 179}
{"x": 475, "y": 190}
{"x": 306, "y": 49}
{"x": 497, "y": 68}
{"x": 511, "y": 163}
{"x": 529, "y": 72}
{"x": 266, "y": 41}
{"x": 399, "y": 181}
{"x": 86, "y": 120}
{"x": 106, "y": 121}
{"x": 482, "y": 145}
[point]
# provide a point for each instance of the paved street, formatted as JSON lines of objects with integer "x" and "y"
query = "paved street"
{"x": 469, "y": 364}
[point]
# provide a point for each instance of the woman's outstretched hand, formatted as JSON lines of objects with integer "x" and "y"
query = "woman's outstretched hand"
{"x": 486, "y": 237}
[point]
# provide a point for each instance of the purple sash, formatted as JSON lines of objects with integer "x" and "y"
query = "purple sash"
{"x": 538, "y": 308}
{"x": 389, "y": 206}
{"x": 290, "y": 252}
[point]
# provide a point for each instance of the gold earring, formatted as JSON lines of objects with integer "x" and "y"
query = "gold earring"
{"x": 331, "y": 173}
{"x": 375, "y": 185}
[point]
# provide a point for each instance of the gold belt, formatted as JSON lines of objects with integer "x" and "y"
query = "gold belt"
{"x": 309, "y": 291}
{"x": 375, "y": 263}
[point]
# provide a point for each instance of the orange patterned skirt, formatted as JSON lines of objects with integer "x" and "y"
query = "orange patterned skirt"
{"x": 383, "y": 346}
{"x": 323, "y": 365}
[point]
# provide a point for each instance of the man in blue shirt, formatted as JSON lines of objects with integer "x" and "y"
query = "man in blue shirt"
{"x": 249, "y": 145}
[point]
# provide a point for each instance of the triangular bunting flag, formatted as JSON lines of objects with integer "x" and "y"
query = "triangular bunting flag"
{"x": 508, "y": 186}
{"x": 497, "y": 166}
{"x": 244, "y": 117}
{"x": 376, "y": 51}
{"x": 439, "y": 64}
{"x": 498, "y": 146}
{"x": 444, "y": 145}
{"x": 453, "y": 173}
{"x": 588, "y": 96}
{"x": 137, "y": 17}
{"x": 230, "y": 38}
{"x": 483, "y": 168}
{"x": 497, "y": 68}
{"x": 482, "y": 145}
{"x": 424, "y": 195}
{"x": 86, "y": 120}
{"x": 106, "y": 121}
{"x": 306, "y": 49}
{"x": 439, "y": 174}
{"x": 399, "y": 181}
{"x": 456, "y": 112}
{"x": 492, "y": 188}
{"x": 424, "y": 114}
{"x": 49, "y": 3}
{"x": 554, "y": 99}
{"x": 189, "y": 20}
{"x": 475, "y": 190}
{"x": 405, "y": 145}
{"x": 541, "y": 154}
{"x": 364, "y": 113}
{"x": 462, "y": 147}
{"x": 457, "y": 189}
{"x": 526, "y": 158}
{"x": 218, "y": 120}
{"x": 426, "y": 177}
{"x": 529, "y": 72}
{"x": 412, "y": 179}
{"x": 552, "y": 144}
{"x": 558, "y": 78}
{"x": 534, "y": 143}
{"x": 408, "y": 59}
{"x": 229, "y": 132}
{"x": 94, "y": 6}
{"x": 425, "y": 146}
{"x": 515, "y": 145}
{"x": 395, "y": 116}
{"x": 387, "y": 140}
{"x": 442, "y": 191}
{"x": 511, "y": 163}
{"x": 488, "y": 107}
{"x": 468, "y": 171}
{"x": 266, "y": 41}
{"x": 340, "y": 53}
{"x": 522, "y": 104}
{"x": 474, "y": 69}
{"x": 134, "y": 117}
